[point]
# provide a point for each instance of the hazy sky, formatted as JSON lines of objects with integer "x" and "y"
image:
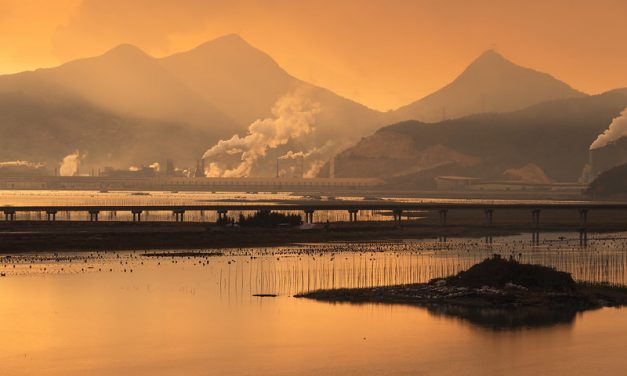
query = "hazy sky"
{"x": 383, "y": 53}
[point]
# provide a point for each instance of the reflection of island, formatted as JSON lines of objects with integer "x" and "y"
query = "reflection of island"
{"x": 496, "y": 294}
{"x": 505, "y": 319}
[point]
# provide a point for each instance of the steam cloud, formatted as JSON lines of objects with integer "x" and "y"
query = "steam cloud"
{"x": 314, "y": 169}
{"x": 294, "y": 116}
{"x": 293, "y": 155}
{"x": 21, "y": 164}
{"x": 616, "y": 130}
{"x": 70, "y": 163}
{"x": 320, "y": 152}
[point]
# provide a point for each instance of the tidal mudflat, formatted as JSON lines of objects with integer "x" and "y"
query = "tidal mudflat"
{"x": 108, "y": 313}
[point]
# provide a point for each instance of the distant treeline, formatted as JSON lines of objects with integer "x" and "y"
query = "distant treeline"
{"x": 264, "y": 218}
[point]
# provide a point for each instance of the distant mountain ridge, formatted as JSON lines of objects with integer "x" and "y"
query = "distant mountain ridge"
{"x": 610, "y": 184}
{"x": 553, "y": 136}
{"x": 491, "y": 83}
{"x": 220, "y": 71}
{"x": 126, "y": 107}
{"x": 216, "y": 90}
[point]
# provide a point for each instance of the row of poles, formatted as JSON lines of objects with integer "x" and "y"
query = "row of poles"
{"x": 309, "y": 216}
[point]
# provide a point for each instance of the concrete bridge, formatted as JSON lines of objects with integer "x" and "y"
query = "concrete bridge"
{"x": 308, "y": 209}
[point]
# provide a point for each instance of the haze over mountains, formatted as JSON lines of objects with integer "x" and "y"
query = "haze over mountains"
{"x": 127, "y": 108}
{"x": 211, "y": 92}
{"x": 550, "y": 139}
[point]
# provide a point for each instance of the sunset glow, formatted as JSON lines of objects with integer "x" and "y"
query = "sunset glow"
{"x": 384, "y": 54}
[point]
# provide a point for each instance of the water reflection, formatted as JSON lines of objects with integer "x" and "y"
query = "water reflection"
{"x": 507, "y": 319}
{"x": 123, "y": 313}
{"x": 290, "y": 270}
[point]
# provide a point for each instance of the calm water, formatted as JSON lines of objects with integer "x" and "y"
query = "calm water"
{"x": 52, "y": 197}
{"x": 63, "y": 197}
{"x": 124, "y": 313}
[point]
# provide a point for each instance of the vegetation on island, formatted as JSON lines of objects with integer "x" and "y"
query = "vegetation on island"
{"x": 496, "y": 293}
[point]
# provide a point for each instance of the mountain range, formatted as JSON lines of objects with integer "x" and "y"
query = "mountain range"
{"x": 128, "y": 108}
{"x": 209, "y": 93}
{"x": 551, "y": 139}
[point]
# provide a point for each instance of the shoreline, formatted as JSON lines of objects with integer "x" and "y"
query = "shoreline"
{"x": 26, "y": 236}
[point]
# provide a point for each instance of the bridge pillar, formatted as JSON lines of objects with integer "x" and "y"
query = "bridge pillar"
{"x": 309, "y": 216}
{"x": 51, "y": 215}
{"x": 93, "y": 215}
{"x": 398, "y": 216}
{"x": 137, "y": 215}
{"x": 535, "y": 217}
{"x": 222, "y": 214}
{"x": 9, "y": 216}
{"x": 178, "y": 214}
{"x": 583, "y": 219}
{"x": 443, "y": 215}
{"x": 489, "y": 213}
{"x": 353, "y": 215}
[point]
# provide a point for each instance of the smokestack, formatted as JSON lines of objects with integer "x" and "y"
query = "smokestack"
{"x": 277, "y": 167}
{"x": 169, "y": 167}
{"x": 302, "y": 167}
{"x": 200, "y": 169}
{"x": 332, "y": 168}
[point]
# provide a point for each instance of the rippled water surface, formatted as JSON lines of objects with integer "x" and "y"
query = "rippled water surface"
{"x": 126, "y": 313}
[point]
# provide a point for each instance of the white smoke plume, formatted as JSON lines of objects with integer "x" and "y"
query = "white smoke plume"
{"x": 314, "y": 169}
{"x": 293, "y": 155}
{"x": 22, "y": 164}
{"x": 294, "y": 116}
{"x": 323, "y": 154}
{"x": 616, "y": 130}
{"x": 155, "y": 166}
{"x": 70, "y": 164}
{"x": 213, "y": 170}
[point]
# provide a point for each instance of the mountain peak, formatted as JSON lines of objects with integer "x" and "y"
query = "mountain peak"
{"x": 490, "y": 53}
{"x": 490, "y": 58}
{"x": 230, "y": 38}
{"x": 125, "y": 49}
{"x": 491, "y": 83}
{"x": 229, "y": 41}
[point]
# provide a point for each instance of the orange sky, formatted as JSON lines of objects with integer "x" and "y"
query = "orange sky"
{"x": 383, "y": 53}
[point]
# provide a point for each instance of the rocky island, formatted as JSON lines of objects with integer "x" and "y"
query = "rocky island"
{"x": 498, "y": 292}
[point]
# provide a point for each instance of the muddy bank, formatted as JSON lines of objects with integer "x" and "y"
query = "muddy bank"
{"x": 21, "y": 236}
{"x": 75, "y": 236}
{"x": 182, "y": 254}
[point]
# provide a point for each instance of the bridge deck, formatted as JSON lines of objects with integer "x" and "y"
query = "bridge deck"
{"x": 322, "y": 206}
